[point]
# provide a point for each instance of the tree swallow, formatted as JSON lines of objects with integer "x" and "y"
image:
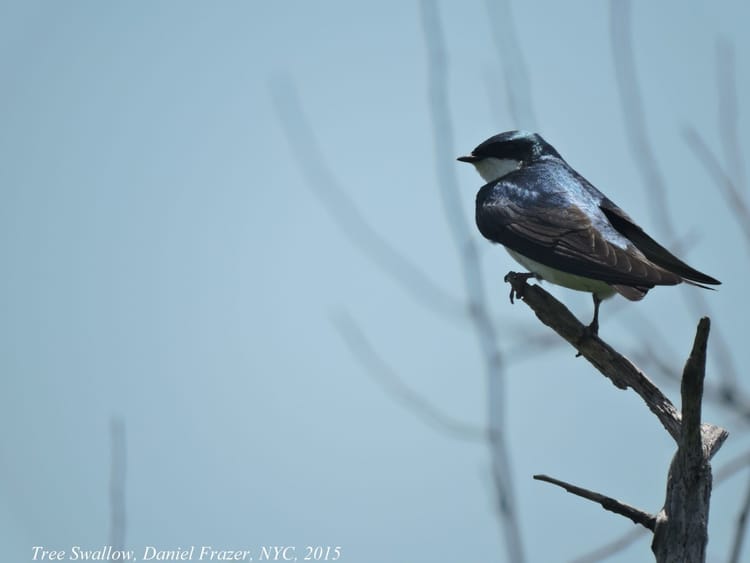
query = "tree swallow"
{"x": 562, "y": 229}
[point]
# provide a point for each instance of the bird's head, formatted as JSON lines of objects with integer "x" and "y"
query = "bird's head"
{"x": 506, "y": 152}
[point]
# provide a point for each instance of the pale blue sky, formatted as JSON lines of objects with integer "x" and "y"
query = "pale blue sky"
{"x": 164, "y": 260}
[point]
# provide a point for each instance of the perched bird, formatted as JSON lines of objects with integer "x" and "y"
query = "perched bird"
{"x": 562, "y": 229}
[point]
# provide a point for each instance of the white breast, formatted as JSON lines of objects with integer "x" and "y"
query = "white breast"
{"x": 571, "y": 281}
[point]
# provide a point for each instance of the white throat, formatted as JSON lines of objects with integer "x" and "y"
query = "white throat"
{"x": 493, "y": 168}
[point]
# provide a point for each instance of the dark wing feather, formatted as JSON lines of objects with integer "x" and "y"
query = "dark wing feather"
{"x": 650, "y": 248}
{"x": 564, "y": 238}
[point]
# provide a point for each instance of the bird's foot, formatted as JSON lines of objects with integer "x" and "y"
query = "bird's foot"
{"x": 517, "y": 283}
{"x": 589, "y": 332}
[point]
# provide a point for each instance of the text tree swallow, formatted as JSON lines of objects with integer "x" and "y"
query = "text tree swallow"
{"x": 562, "y": 229}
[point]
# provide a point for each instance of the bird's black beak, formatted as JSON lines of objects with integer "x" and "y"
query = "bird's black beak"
{"x": 468, "y": 158}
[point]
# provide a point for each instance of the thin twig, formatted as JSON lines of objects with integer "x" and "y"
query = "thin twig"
{"x": 608, "y": 503}
{"x": 731, "y": 398}
{"x": 726, "y": 80}
{"x": 515, "y": 70}
{"x": 732, "y": 467}
{"x": 345, "y": 212}
{"x": 741, "y": 531}
{"x": 485, "y": 330}
{"x": 635, "y": 116}
{"x": 734, "y": 198}
{"x": 613, "y": 547}
{"x": 722, "y": 393}
{"x": 393, "y": 385}
{"x": 530, "y": 345}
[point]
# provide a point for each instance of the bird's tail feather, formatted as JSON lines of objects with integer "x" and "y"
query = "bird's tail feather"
{"x": 630, "y": 292}
{"x": 653, "y": 250}
{"x": 696, "y": 284}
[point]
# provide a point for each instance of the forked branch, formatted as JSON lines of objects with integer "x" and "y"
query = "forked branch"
{"x": 680, "y": 528}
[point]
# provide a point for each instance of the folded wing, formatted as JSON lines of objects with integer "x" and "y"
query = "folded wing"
{"x": 563, "y": 237}
{"x": 650, "y": 248}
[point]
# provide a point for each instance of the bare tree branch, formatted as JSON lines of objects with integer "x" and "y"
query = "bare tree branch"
{"x": 732, "y": 195}
{"x": 530, "y": 344}
{"x": 437, "y": 72}
{"x": 394, "y": 386}
{"x": 607, "y": 360}
{"x": 726, "y": 80}
{"x": 732, "y": 467}
{"x": 730, "y": 397}
{"x": 632, "y": 102}
{"x": 608, "y": 503}
{"x": 613, "y": 547}
{"x": 345, "y": 212}
{"x": 680, "y": 528}
{"x": 692, "y": 396}
{"x": 681, "y": 532}
{"x": 733, "y": 399}
{"x": 601, "y": 553}
{"x": 118, "y": 464}
{"x": 741, "y": 531}
{"x": 517, "y": 82}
